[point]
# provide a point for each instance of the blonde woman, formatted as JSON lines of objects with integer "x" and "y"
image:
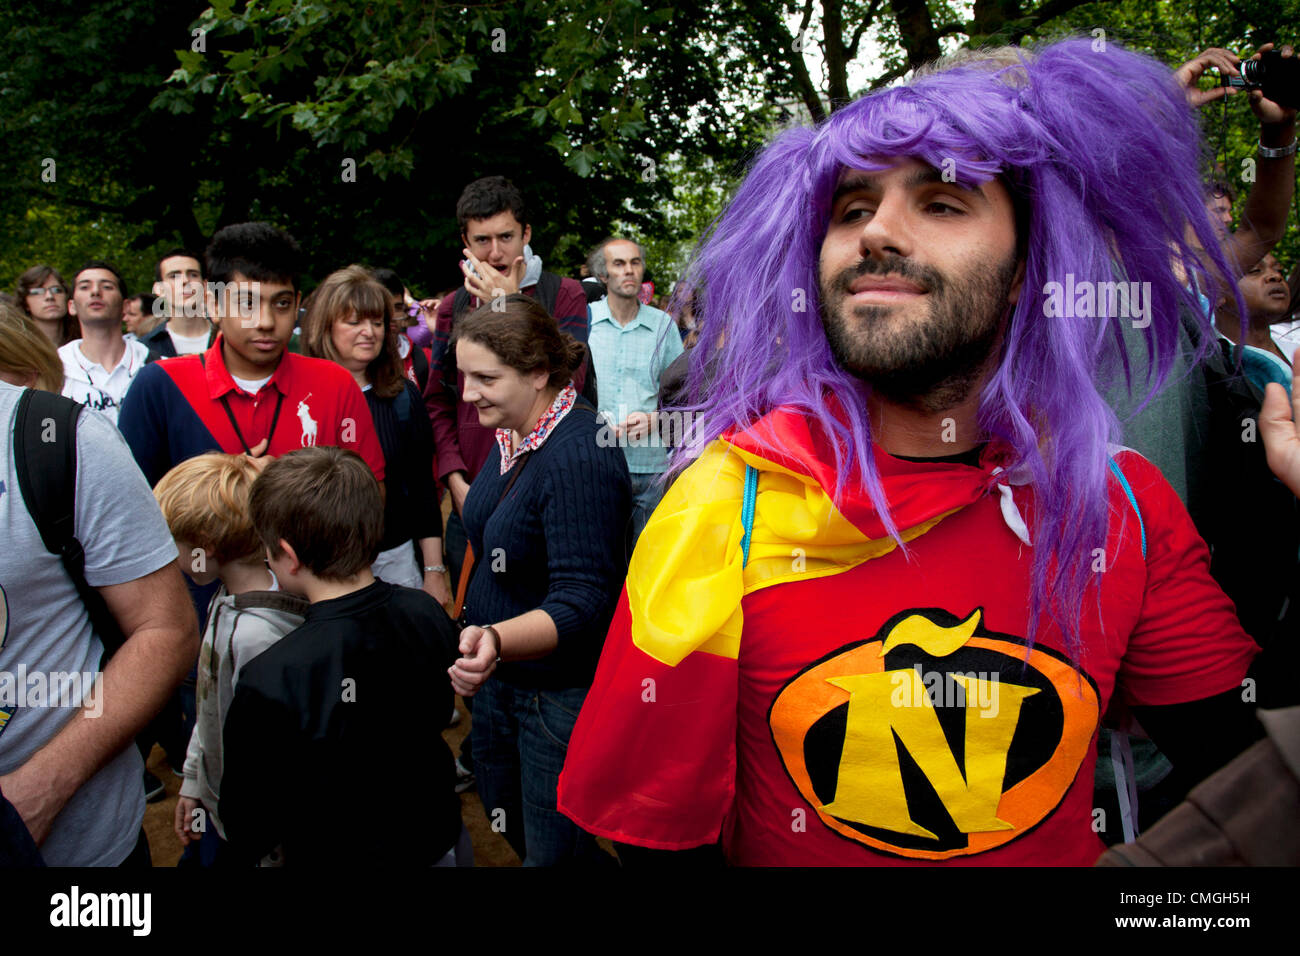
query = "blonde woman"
{"x": 27, "y": 357}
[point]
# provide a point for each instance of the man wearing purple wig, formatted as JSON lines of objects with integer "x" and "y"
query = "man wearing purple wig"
{"x": 905, "y": 570}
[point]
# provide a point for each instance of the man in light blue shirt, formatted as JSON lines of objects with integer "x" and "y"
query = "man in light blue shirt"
{"x": 631, "y": 344}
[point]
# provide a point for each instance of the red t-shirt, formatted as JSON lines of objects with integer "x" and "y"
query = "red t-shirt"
{"x": 885, "y": 715}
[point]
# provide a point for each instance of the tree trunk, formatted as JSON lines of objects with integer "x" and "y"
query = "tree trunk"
{"x": 837, "y": 67}
{"x": 920, "y": 40}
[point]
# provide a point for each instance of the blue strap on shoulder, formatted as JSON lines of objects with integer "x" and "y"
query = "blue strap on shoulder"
{"x": 1132, "y": 499}
{"x": 747, "y": 510}
{"x": 751, "y": 494}
{"x": 1121, "y": 748}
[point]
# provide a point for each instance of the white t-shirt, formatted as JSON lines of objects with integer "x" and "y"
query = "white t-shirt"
{"x": 188, "y": 344}
{"x": 251, "y": 385}
{"x": 86, "y": 382}
{"x": 1286, "y": 335}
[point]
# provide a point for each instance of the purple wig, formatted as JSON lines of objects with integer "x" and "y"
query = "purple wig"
{"x": 1100, "y": 153}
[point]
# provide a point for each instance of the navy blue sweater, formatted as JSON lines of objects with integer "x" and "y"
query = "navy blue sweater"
{"x": 555, "y": 542}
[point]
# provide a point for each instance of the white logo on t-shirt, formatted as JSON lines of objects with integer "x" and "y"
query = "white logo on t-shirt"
{"x": 308, "y": 424}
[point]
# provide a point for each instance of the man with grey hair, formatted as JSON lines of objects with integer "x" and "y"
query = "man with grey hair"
{"x": 631, "y": 345}
{"x": 592, "y": 282}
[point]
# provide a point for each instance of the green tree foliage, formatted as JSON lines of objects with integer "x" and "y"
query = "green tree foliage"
{"x": 357, "y": 124}
{"x": 76, "y": 83}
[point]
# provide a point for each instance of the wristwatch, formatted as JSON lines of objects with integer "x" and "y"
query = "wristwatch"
{"x": 436, "y": 568}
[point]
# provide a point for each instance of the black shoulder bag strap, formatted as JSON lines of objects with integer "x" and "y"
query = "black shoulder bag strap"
{"x": 589, "y": 389}
{"x": 459, "y": 304}
{"x": 420, "y": 366}
{"x": 45, "y": 458}
{"x": 548, "y": 291}
{"x": 459, "y": 307}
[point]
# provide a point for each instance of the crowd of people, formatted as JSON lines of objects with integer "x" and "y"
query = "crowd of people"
{"x": 867, "y": 553}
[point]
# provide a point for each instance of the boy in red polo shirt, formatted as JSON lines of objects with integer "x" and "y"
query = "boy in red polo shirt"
{"x": 247, "y": 393}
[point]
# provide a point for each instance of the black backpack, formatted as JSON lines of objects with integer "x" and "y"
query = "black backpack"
{"x": 45, "y": 459}
{"x": 1252, "y": 524}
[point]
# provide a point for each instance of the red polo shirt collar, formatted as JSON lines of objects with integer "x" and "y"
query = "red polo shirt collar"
{"x": 220, "y": 382}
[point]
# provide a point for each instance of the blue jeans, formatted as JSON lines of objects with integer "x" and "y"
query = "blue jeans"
{"x": 521, "y": 736}
{"x": 646, "y": 493}
{"x": 209, "y": 851}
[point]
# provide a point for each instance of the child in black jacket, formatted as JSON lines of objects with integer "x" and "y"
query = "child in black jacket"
{"x": 319, "y": 714}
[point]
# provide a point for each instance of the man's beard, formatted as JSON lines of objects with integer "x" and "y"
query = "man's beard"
{"x": 105, "y": 320}
{"x": 931, "y": 363}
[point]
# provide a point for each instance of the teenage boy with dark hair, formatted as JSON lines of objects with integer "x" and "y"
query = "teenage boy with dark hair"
{"x": 247, "y": 393}
{"x": 335, "y": 695}
{"x": 178, "y": 282}
{"x": 495, "y": 228}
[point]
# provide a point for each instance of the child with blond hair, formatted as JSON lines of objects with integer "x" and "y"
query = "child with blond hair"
{"x": 206, "y": 503}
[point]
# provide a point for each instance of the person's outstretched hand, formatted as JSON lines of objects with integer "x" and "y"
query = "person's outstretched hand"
{"x": 1277, "y": 426}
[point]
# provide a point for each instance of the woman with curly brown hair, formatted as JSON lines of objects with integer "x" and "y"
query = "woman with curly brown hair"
{"x": 547, "y": 516}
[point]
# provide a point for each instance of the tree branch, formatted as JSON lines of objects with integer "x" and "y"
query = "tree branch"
{"x": 867, "y": 19}
{"x": 770, "y": 24}
{"x": 916, "y": 30}
{"x": 807, "y": 16}
{"x": 63, "y": 199}
{"x": 1048, "y": 11}
{"x": 889, "y": 77}
{"x": 837, "y": 79}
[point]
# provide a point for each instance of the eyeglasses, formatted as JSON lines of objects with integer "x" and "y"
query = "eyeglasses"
{"x": 49, "y": 291}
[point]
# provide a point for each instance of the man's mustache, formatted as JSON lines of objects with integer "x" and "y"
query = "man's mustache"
{"x": 929, "y": 280}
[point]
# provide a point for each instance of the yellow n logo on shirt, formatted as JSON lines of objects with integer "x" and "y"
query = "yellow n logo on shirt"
{"x": 869, "y": 788}
{"x": 937, "y": 737}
